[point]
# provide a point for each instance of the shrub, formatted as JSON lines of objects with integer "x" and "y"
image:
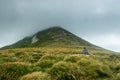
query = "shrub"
{"x": 35, "y": 76}
{"x": 12, "y": 71}
{"x": 64, "y": 71}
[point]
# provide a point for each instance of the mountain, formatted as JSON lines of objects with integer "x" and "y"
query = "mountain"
{"x": 52, "y": 37}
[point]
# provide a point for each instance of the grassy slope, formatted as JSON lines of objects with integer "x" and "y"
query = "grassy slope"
{"x": 52, "y": 37}
{"x": 58, "y": 64}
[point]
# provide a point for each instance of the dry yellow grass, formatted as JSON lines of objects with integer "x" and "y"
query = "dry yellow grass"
{"x": 35, "y": 76}
{"x": 34, "y": 63}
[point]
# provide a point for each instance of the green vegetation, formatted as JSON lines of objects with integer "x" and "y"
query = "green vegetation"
{"x": 12, "y": 71}
{"x": 64, "y": 71}
{"x": 58, "y": 64}
{"x": 52, "y": 37}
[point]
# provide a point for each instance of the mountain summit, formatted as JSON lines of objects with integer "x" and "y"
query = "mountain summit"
{"x": 51, "y": 37}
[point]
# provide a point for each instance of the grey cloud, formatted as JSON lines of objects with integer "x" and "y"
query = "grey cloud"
{"x": 20, "y": 18}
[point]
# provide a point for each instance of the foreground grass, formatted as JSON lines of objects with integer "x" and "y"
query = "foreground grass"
{"x": 58, "y": 64}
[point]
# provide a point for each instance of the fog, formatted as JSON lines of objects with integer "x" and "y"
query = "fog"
{"x": 96, "y": 21}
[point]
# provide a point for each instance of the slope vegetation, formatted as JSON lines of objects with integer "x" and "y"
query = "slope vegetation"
{"x": 52, "y": 37}
{"x": 58, "y": 64}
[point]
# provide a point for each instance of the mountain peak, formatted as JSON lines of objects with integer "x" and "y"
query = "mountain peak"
{"x": 56, "y": 27}
{"x": 53, "y": 29}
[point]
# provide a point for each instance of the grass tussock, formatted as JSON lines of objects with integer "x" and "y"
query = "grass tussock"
{"x": 93, "y": 69}
{"x": 35, "y": 76}
{"x": 12, "y": 71}
{"x": 64, "y": 71}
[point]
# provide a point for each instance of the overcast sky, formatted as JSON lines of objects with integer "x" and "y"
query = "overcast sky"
{"x": 97, "y": 21}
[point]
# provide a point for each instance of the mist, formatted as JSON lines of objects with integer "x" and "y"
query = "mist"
{"x": 96, "y": 21}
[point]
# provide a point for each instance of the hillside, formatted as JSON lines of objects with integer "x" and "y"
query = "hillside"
{"x": 57, "y": 54}
{"x": 52, "y": 37}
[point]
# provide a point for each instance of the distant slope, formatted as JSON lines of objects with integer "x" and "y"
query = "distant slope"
{"x": 52, "y": 37}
